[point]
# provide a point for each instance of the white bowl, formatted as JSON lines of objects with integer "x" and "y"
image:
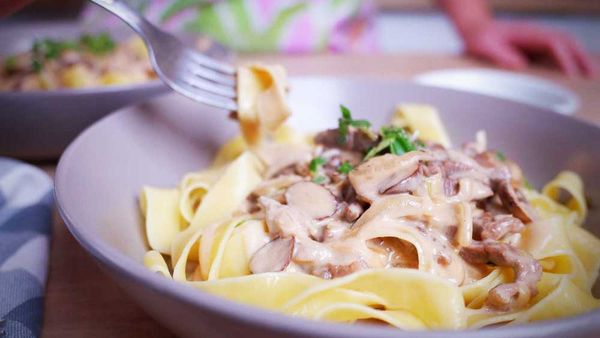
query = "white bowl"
{"x": 100, "y": 175}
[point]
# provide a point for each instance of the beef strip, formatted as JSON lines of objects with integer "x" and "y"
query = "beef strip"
{"x": 488, "y": 226}
{"x": 505, "y": 178}
{"x": 528, "y": 271}
{"x": 356, "y": 140}
{"x": 514, "y": 201}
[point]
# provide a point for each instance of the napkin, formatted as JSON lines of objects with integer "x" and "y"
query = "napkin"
{"x": 25, "y": 214}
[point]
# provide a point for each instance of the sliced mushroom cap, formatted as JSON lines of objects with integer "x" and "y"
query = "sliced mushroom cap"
{"x": 274, "y": 256}
{"x": 312, "y": 198}
{"x": 286, "y": 220}
{"x": 375, "y": 176}
{"x": 511, "y": 201}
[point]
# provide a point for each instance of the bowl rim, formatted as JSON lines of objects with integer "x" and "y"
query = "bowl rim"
{"x": 439, "y": 78}
{"x": 133, "y": 270}
{"x": 95, "y": 90}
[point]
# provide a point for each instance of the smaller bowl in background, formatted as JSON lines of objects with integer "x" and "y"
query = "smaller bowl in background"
{"x": 513, "y": 86}
{"x": 38, "y": 125}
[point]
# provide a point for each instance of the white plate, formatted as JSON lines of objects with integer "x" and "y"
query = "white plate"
{"x": 504, "y": 84}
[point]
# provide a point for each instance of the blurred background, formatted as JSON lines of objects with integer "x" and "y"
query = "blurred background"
{"x": 540, "y": 52}
{"x": 398, "y": 24}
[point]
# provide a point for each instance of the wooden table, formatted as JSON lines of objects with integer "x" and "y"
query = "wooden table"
{"x": 83, "y": 302}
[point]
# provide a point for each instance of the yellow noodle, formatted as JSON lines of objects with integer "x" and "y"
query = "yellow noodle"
{"x": 211, "y": 238}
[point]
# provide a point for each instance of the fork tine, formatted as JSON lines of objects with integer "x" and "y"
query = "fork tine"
{"x": 211, "y": 63}
{"x": 213, "y": 82}
{"x": 211, "y": 87}
{"x": 210, "y": 75}
{"x": 202, "y": 96}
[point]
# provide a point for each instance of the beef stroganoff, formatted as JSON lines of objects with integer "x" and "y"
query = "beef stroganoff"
{"x": 353, "y": 223}
{"x": 93, "y": 60}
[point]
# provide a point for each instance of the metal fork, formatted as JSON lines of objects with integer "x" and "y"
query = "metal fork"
{"x": 186, "y": 71}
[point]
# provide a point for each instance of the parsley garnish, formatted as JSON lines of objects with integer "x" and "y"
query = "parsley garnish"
{"x": 315, "y": 164}
{"x": 346, "y": 121}
{"x": 97, "y": 44}
{"x": 395, "y": 139}
{"x": 528, "y": 184}
{"x": 319, "y": 179}
{"x": 500, "y": 156}
{"x": 36, "y": 65}
{"x": 345, "y": 168}
{"x": 49, "y": 49}
{"x": 10, "y": 64}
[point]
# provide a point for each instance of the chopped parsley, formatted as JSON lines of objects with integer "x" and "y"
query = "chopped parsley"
{"x": 97, "y": 44}
{"x": 346, "y": 121}
{"x": 49, "y": 49}
{"x": 395, "y": 139}
{"x": 315, "y": 164}
{"x": 500, "y": 155}
{"x": 10, "y": 64}
{"x": 319, "y": 179}
{"x": 345, "y": 168}
{"x": 528, "y": 184}
{"x": 36, "y": 65}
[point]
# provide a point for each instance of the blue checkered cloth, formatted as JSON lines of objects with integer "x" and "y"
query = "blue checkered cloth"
{"x": 25, "y": 218}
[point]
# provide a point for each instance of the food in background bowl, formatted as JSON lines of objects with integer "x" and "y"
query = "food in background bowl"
{"x": 91, "y": 61}
{"x": 355, "y": 224}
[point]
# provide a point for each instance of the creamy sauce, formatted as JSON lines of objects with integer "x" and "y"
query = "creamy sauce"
{"x": 423, "y": 228}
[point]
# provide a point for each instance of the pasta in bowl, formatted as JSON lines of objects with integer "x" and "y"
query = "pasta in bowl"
{"x": 67, "y": 81}
{"x": 92, "y": 60}
{"x": 355, "y": 224}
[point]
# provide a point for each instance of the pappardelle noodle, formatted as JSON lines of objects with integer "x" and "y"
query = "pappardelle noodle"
{"x": 353, "y": 223}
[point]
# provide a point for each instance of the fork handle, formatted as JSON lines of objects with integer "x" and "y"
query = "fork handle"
{"x": 132, "y": 18}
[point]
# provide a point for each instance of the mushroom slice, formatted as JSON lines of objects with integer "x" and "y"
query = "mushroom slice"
{"x": 513, "y": 203}
{"x": 375, "y": 176}
{"x": 312, "y": 198}
{"x": 274, "y": 256}
{"x": 285, "y": 220}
